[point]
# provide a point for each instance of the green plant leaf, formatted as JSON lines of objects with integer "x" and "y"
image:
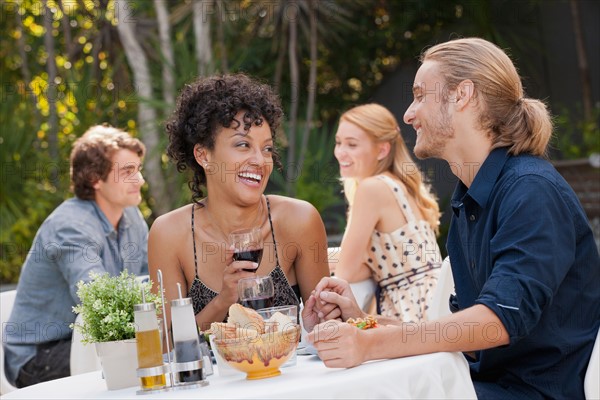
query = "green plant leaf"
{"x": 107, "y": 304}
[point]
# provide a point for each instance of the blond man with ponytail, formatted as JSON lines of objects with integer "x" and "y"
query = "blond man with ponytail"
{"x": 525, "y": 264}
{"x": 393, "y": 216}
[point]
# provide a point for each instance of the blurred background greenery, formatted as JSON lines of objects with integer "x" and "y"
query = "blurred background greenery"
{"x": 69, "y": 64}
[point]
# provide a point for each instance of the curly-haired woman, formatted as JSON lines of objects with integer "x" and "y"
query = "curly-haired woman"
{"x": 223, "y": 129}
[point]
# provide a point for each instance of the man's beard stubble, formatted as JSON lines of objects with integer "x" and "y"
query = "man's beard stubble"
{"x": 434, "y": 141}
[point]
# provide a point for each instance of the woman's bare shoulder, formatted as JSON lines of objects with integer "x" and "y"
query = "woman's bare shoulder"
{"x": 289, "y": 204}
{"x": 294, "y": 215}
{"x": 374, "y": 191}
{"x": 173, "y": 221}
{"x": 372, "y": 182}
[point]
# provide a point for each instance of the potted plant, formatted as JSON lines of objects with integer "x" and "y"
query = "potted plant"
{"x": 107, "y": 320}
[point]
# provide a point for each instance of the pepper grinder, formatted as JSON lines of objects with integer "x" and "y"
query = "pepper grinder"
{"x": 188, "y": 356}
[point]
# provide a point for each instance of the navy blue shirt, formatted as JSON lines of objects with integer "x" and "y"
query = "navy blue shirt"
{"x": 520, "y": 244}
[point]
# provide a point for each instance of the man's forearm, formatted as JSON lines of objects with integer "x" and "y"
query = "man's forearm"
{"x": 476, "y": 328}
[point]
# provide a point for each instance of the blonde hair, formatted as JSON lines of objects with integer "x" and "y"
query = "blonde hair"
{"x": 381, "y": 125}
{"x": 522, "y": 124}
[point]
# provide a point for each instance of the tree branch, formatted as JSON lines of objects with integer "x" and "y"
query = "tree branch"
{"x": 147, "y": 128}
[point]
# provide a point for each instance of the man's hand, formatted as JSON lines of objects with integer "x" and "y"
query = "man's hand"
{"x": 335, "y": 291}
{"x": 312, "y": 310}
{"x": 339, "y": 344}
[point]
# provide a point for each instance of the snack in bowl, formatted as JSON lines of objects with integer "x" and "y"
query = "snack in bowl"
{"x": 278, "y": 322}
{"x": 253, "y": 350}
{"x": 360, "y": 323}
{"x": 227, "y": 330}
{"x": 245, "y": 318}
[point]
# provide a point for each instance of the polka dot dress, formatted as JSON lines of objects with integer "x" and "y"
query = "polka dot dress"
{"x": 405, "y": 263}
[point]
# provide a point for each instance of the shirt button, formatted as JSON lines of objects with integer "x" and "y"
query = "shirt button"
{"x": 472, "y": 217}
{"x": 473, "y": 264}
{"x": 47, "y": 368}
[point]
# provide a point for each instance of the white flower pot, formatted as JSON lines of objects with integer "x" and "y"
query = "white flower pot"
{"x": 119, "y": 363}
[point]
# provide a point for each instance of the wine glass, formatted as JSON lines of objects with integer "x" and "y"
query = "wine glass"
{"x": 248, "y": 246}
{"x": 256, "y": 292}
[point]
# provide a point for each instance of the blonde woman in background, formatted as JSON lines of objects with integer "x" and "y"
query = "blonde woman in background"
{"x": 393, "y": 217}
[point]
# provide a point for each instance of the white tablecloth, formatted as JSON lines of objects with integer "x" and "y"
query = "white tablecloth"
{"x": 432, "y": 376}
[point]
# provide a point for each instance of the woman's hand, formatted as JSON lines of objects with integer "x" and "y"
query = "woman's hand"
{"x": 233, "y": 272}
{"x": 339, "y": 344}
{"x": 335, "y": 300}
{"x": 312, "y": 310}
{"x": 310, "y": 315}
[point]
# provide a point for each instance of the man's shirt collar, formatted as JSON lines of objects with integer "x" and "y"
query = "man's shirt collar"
{"x": 107, "y": 227}
{"x": 484, "y": 181}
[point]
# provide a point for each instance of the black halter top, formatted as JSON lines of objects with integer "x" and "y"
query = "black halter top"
{"x": 285, "y": 294}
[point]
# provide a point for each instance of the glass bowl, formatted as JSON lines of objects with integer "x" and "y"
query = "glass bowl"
{"x": 260, "y": 356}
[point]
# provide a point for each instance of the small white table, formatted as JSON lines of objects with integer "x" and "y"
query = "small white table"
{"x": 431, "y": 376}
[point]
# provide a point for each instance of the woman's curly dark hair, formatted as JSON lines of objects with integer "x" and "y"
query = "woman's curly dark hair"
{"x": 209, "y": 103}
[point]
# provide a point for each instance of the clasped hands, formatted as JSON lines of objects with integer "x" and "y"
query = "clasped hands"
{"x": 330, "y": 304}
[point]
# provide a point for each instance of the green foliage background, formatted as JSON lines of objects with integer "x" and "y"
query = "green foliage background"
{"x": 360, "y": 42}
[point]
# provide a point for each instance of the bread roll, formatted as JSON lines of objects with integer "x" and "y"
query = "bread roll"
{"x": 222, "y": 330}
{"x": 279, "y": 322}
{"x": 245, "y": 318}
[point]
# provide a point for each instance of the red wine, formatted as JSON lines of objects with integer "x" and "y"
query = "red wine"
{"x": 257, "y": 304}
{"x": 248, "y": 255}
